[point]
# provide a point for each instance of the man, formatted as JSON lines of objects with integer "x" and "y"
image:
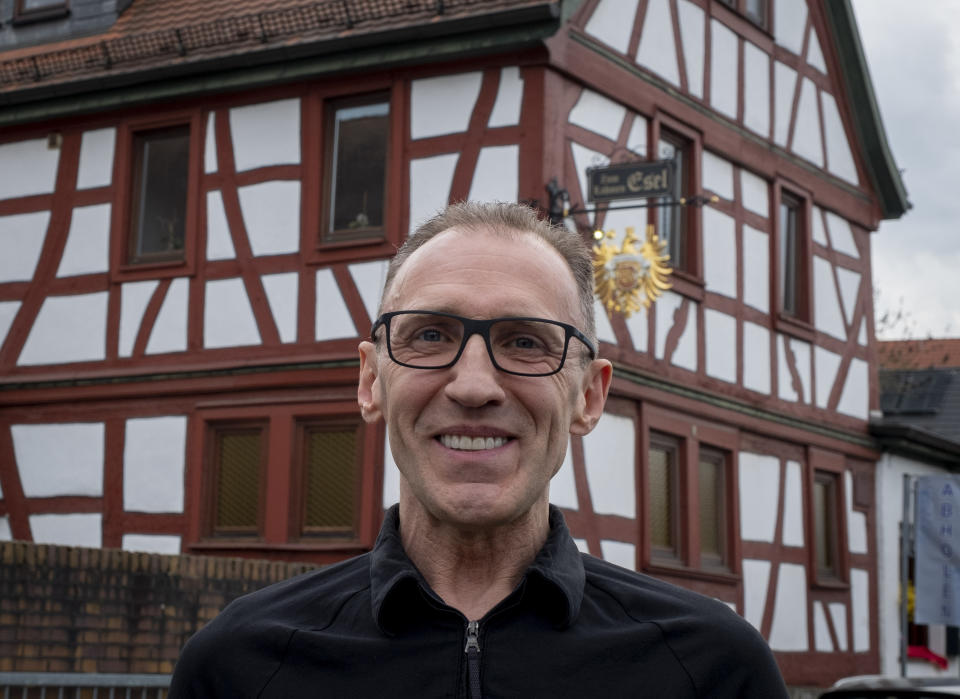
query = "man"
{"x": 482, "y": 363}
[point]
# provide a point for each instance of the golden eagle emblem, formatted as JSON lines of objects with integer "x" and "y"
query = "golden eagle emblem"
{"x": 626, "y": 277}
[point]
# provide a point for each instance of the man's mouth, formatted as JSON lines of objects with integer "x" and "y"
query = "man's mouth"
{"x": 467, "y": 443}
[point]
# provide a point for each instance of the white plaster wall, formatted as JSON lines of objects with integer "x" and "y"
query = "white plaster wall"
{"x": 827, "y": 315}
{"x": 665, "y": 307}
{"x": 825, "y": 365}
{"x": 370, "y": 278}
{"x": 430, "y": 180}
{"x": 134, "y": 297}
{"x": 849, "y": 282}
{"x": 583, "y": 158}
{"x": 841, "y": 235}
{"x": 21, "y": 239}
{"x": 59, "y": 459}
{"x": 785, "y": 384}
{"x": 720, "y": 339}
{"x": 784, "y": 85}
{"x": 756, "y": 268}
{"x": 271, "y": 214}
{"x": 443, "y": 104}
{"x": 789, "y": 21}
{"x": 8, "y": 311}
{"x": 756, "y": 89}
{"x": 391, "y": 475}
{"x": 210, "y": 145}
{"x": 96, "y": 158}
{"x": 839, "y": 157}
{"x": 29, "y": 167}
{"x": 582, "y": 545}
{"x": 821, "y": 632}
{"x": 619, "y": 553}
{"x": 506, "y": 108}
{"x": 219, "y": 243}
{"x": 87, "y": 249}
{"x": 719, "y": 252}
{"x": 67, "y": 530}
{"x": 620, "y": 219}
{"x": 838, "y": 612}
{"x": 789, "y": 629}
{"x": 266, "y": 134}
{"x": 862, "y": 335}
{"x": 563, "y": 485}
{"x": 281, "y": 290}
{"x": 755, "y": 193}
{"x": 692, "y": 35}
{"x": 759, "y": 495}
{"x": 333, "y": 320}
{"x": 169, "y": 332}
{"x": 597, "y": 113}
{"x": 856, "y": 520}
{"x": 496, "y": 177}
{"x": 860, "y": 604}
{"x": 5, "y": 533}
{"x": 756, "y": 579}
{"x": 637, "y": 138}
{"x": 609, "y": 457}
{"x": 228, "y": 319}
{"x": 612, "y": 21}
{"x": 657, "y": 50}
{"x": 793, "y": 505}
{"x": 815, "y": 54}
{"x": 685, "y": 354}
{"x": 807, "y": 140}
{"x": 154, "y": 453}
{"x": 68, "y": 329}
{"x": 637, "y": 327}
{"x": 756, "y": 357}
{"x": 819, "y": 232}
{"x": 717, "y": 175}
{"x": 604, "y": 329}
{"x": 151, "y": 543}
{"x": 855, "y": 397}
{"x": 723, "y": 69}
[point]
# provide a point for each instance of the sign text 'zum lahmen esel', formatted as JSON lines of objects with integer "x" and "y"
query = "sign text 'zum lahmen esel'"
{"x": 638, "y": 180}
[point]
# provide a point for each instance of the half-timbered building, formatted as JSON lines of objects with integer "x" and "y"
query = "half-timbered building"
{"x": 197, "y": 206}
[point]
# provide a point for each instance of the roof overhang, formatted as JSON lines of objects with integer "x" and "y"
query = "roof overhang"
{"x": 917, "y": 443}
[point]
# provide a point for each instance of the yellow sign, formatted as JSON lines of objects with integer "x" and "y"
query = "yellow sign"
{"x": 628, "y": 277}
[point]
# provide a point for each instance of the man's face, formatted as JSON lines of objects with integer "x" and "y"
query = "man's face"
{"x": 525, "y": 421}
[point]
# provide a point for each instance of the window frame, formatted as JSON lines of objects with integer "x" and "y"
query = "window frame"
{"x": 122, "y": 267}
{"x": 740, "y": 7}
{"x": 54, "y": 10}
{"x": 799, "y": 323}
{"x": 823, "y": 465}
{"x": 691, "y": 436}
{"x": 212, "y": 472}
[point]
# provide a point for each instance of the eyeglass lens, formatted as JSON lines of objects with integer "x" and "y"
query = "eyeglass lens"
{"x": 429, "y": 341}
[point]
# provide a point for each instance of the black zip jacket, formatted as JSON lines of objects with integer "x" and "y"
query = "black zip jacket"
{"x": 575, "y": 626}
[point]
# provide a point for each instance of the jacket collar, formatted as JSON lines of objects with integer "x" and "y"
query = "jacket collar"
{"x": 553, "y": 584}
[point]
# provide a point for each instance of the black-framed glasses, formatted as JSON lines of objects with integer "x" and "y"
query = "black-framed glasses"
{"x": 520, "y": 346}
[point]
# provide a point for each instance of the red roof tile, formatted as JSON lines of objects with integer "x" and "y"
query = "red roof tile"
{"x": 919, "y": 354}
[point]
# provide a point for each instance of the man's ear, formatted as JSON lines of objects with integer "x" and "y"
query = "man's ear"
{"x": 368, "y": 389}
{"x": 593, "y": 396}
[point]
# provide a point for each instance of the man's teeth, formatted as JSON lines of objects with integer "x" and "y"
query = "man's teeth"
{"x": 453, "y": 441}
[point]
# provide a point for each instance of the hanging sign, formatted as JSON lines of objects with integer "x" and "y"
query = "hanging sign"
{"x": 639, "y": 180}
{"x": 628, "y": 277}
{"x": 937, "y": 564}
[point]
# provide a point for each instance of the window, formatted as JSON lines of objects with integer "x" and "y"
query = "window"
{"x": 237, "y": 473}
{"x": 825, "y": 526}
{"x": 755, "y": 10}
{"x": 662, "y": 487}
{"x": 329, "y": 470}
{"x": 158, "y": 198}
{"x": 793, "y": 260}
{"x": 672, "y": 221}
{"x": 31, "y": 10}
{"x": 789, "y": 254}
{"x": 712, "y": 491}
{"x": 357, "y": 140}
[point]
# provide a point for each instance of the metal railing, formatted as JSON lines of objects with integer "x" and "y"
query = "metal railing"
{"x": 82, "y": 685}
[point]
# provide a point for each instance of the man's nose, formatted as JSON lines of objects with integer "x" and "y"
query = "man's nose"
{"x": 474, "y": 380}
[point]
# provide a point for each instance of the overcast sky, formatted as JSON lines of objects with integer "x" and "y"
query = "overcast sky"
{"x": 913, "y": 50}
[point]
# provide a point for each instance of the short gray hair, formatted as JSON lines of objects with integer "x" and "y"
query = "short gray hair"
{"x": 503, "y": 218}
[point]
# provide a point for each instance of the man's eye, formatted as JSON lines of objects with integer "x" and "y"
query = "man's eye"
{"x": 431, "y": 335}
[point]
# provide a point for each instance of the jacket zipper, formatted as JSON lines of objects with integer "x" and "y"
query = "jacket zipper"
{"x": 472, "y": 650}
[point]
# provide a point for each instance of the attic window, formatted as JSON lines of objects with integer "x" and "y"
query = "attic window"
{"x": 25, "y": 11}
